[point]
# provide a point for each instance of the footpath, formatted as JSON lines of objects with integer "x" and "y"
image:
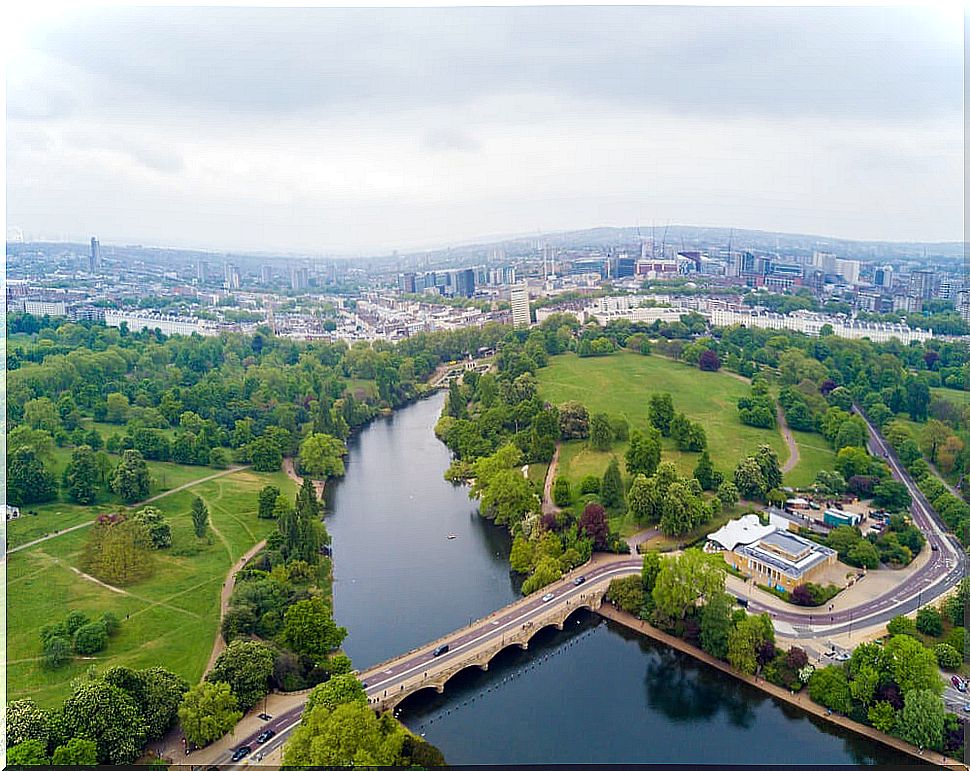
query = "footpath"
{"x": 800, "y": 700}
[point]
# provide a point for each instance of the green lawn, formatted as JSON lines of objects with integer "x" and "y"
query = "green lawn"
{"x": 814, "y": 454}
{"x": 58, "y": 515}
{"x": 168, "y": 620}
{"x": 621, "y": 384}
{"x": 960, "y": 398}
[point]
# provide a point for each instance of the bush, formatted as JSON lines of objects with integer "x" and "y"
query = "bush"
{"x": 111, "y": 623}
{"x": 560, "y": 491}
{"x": 57, "y": 652}
{"x": 901, "y": 625}
{"x": 948, "y": 657}
{"x": 590, "y": 485}
{"x": 90, "y": 638}
{"x": 929, "y": 622}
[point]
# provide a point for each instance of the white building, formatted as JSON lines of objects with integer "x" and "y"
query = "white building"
{"x": 169, "y": 325}
{"x": 811, "y": 324}
{"x": 848, "y": 269}
{"x": 45, "y": 308}
{"x": 520, "y": 305}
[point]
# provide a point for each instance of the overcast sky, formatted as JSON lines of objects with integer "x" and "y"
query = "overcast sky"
{"x": 367, "y": 130}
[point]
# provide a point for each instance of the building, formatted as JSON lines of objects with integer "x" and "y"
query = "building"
{"x": 907, "y": 303}
{"x": 168, "y": 325}
{"x": 771, "y": 554}
{"x": 811, "y": 324}
{"x": 963, "y": 305}
{"x": 626, "y": 266}
{"x": 232, "y": 276}
{"x": 883, "y": 277}
{"x": 45, "y": 307}
{"x": 299, "y": 278}
{"x": 849, "y": 270}
{"x": 408, "y": 283}
{"x": 922, "y": 283}
{"x": 521, "y": 316}
{"x": 94, "y": 259}
{"x": 824, "y": 261}
{"x": 266, "y": 274}
{"x": 201, "y": 271}
{"x": 465, "y": 282}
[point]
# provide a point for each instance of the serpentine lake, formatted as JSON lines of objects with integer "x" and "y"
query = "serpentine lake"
{"x": 592, "y": 693}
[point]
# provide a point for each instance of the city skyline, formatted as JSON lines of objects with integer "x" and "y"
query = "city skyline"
{"x": 327, "y": 130}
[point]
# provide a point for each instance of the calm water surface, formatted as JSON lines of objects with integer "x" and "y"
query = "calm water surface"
{"x": 594, "y": 692}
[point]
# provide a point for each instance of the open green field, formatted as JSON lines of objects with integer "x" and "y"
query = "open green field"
{"x": 58, "y": 515}
{"x": 960, "y": 398}
{"x": 814, "y": 454}
{"x": 621, "y": 384}
{"x": 169, "y": 620}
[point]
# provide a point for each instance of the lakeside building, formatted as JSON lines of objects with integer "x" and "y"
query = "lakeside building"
{"x": 770, "y": 554}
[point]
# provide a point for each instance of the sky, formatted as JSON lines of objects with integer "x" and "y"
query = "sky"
{"x": 336, "y": 131}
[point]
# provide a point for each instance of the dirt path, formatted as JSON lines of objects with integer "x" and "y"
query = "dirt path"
{"x": 290, "y": 470}
{"x": 789, "y": 440}
{"x": 180, "y": 488}
{"x": 228, "y": 585}
{"x": 548, "y": 507}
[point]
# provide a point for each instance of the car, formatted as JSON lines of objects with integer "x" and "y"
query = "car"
{"x": 265, "y": 736}
{"x": 439, "y": 650}
{"x": 240, "y": 752}
{"x": 959, "y": 684}
{"x": 966, "y": 707}
{"x": 547, "y": 597}
{"x": 934, "y": 547}
{"x": 579, "y": 580}
{"x": 742, "y": 601}
{"x": 265, "y": 716}
{"x": 842, "y": 656}
{"x": 363, "y": 683}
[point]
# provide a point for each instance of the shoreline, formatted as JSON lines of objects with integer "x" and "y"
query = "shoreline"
{"x": 800, "y": 699}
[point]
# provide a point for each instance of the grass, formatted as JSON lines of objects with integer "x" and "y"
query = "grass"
{"x": 666, "y": 543}
{"x": 814, "y": 454}
{"x": 621, "y": 384}
{"x": 960, "y": 398}
{"x": 59, "y": 515}
{"x": 537, "y": 473}
{"x": 168, "y": 620}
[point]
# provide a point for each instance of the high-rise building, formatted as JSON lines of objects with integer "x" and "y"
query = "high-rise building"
{"x": 232, "y": 276}
{"x": 299, "y": 277}
{"x": 521, "y": 316}
{"x": 848, "y": 269}
{"x": 883, "y": 277}
{"x": 265, "y": 274}
{"x": 408, "y": 283}
{"x": 963, "y": 305}
{"x": 625, "y": 266}
{"x": 465, "y": 282}
{"x": 922, "y": 283}
{"x": 94, "y": 260}
{"x": 202, "y": 271}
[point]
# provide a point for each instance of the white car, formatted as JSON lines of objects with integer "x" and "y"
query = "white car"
{"x": 547, "y": 597}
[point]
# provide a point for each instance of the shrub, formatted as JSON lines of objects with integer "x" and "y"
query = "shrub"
{"x": 901, "y": 625}
{"x": 57, "y": 652}
{"x": 947, "y": 656}
{"x": 90, "y": 638}
{"x": 929, "y": 621}
{"x": 590, "y": 485}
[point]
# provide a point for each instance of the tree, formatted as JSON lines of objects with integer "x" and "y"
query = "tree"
{"x": 593, "y": 524}
{"x": 108, "y": 715}
{"x": 643, "y": 454}
{"x": 81, "y": 476}
{"x": 77, "y": 752}
{"x": 727, "y": 493}
{"x": 560, "y": 491}
{"x": 25, "y": 720}
{"x": 547, "y": 571}
{"x": 864, "y": 682}
{"x": 157, "y": 693}
{"x": 118, "y": 550}
{"x": 131, "y": 480}
{"x": 912, "y": 666}
{"x": 705, "y": 473}
{"x": 917, "y": 399}
{"x": 28, "y": 481}
{"x": 41, "y": 414}
{"x": 522, "y": 555}
{"x": 767, "y": 461}
{"x": 709, "y": 361}
{"x": 685, "y": 581}
{"x": 640, "y": 499}
{"x": 746, "y": 640}
{"x": 892, "y": 495}
{"x": 265, "y": 454}
{"x": 321, "y": 456}
{"x": 246, "y": 666}
{"x": 208, "y": 712}
{"x": 159, "y": 530}
{"x": 748, "y": 479}
{"x": 661, "y": 412}
{"x": 829, "y": 687}
{"x": 947, "y": 656}
{"x": 32, "y": 752}
{"x": 117, "y": 408}
{"x": 715, "y": 622}
{"x": 611, "y": 491}
{"x": 349, "y": 735}
{"x": 901, "y": 625}
{"x": 200, "y": 517}
{"x": 90, "y": 638}
{"x": 600, "y": 432}
{"x": 267, "y": 501}
{"x": 921, "y": 721}
{"x": 929, "y": 621}
{"x": 219, "y": 457}
{"x": 457, "y": 405}
{"x": 882, "y": 716}
{"x": 309, "y": 628}
{"x": 573, "y": 420}
{"x": 341, "y": 689}
{"x": 863, "y": 554}
{"x": 626, "y": 593}
{"x": 829, "y": 482}
{"x": 57, "y": 652}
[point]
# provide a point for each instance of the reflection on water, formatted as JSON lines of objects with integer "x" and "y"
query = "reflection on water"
{"x": 595, "y": 692}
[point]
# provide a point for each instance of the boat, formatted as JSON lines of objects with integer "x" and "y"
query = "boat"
{"x": 451, "y": 536}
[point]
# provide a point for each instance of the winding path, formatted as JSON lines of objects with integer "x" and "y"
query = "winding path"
{"x": 789, "y": 440}
{"x": 290, "y": 469}
{"x": 180, "y": 488}
{"x": 548, "y": 507}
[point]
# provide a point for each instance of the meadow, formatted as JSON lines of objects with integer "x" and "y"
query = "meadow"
{"x": 170, "y": 619}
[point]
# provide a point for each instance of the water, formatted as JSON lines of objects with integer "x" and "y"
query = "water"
{"x": 595, "y": 692}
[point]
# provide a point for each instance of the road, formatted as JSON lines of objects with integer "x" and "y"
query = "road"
{"x": 180, "y": 488}
{"x": 946, "y": 566}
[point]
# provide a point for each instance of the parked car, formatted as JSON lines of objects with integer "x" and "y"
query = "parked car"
{"x": 958, "y": 683}
{"x": 240, "y": 752}
{"x": 547, "y": 597}
{"x": 579, "y": 580}
{"x": 265, "y": 736}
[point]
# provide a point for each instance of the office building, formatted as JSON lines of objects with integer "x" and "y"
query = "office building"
{"x": 625, "y": 266}
{"x": 464, "y": 283}
{"x": 94, "y": 259}
{"x": 824, "y": 261}
{"x": 408, "y": 283}
{"x": 202, "y": 271}
{"x": 299, "y": 278}
{"x": 883, "y": 277}
{"x": 849, "y": 270}
{"x": 963, "y": 305}
{"x": 521, "y": 316}
{"x": 907, "y": 303}
{"x": 922, "y": 283}
{"x": 232, "y": 276}
{"x": 45, "y": 308}
{"x": 266, "y": 274}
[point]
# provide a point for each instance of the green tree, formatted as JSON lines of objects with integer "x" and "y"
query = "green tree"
{"x": 829, "y": 687}
{"x": 947, "y": 656}
{"x": 560, "y": 491}
{"x": 749, "y": 480}
{"x": 42, "y": 415}
{"x": 864, "y": 554}
{"x": 929, "y": 621}
{"x": 640, "y": 499}
{"x": 57, "y": 652}
{"x": 705, "y": 473}
{"x": 921, "y": 720}
{"x": 118, "y": 551}
{"x": 746, "y": 639}
{"x": 159, "y": 530}
{"x": 882, "y": 716}
{"x": 267, "y": 501}
{"x": 321, "y": 456}
{"x": 25, "y": 720}
{"x": 341, "y": 689}
{"x": 349, "y": 735}
{"x": 90, "y": 638}
{"x": 522, "y": 556}
{"x": 767, "y": 461}
{"x": 200, "y": 517}
{"x": 32, "y": 752}
{"x": 716, "y": 625}
{"x": 643, "y": 454}
{"x": 28, "y": 480}
{"x": 661, "y": 412}
{"x": 77, "y": 752}
{"x": 117, "y": 408}
{"x": 864, "y": 682}
{"x": 912, "y": 666}
{"x": 131, "y": 481}
{"x": 685, "y": 581}
{"x": 309, "y": 628}
{"x": 600, "y": 432}
{"x": 457, "y": 405}
{"x": 547, "y": 571}
{"x": 901, "y": 625}
{"x": 611, "y": 490}
{"x": 81, "y": 476}
{"x": 627, "y": 594}
{"x": 246, "y": 666}
{"x": 265, "y": 454}
{"x": 208, "y": 712}
{"x": 727, "y": 493}
{"x": 109, "y": 716}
